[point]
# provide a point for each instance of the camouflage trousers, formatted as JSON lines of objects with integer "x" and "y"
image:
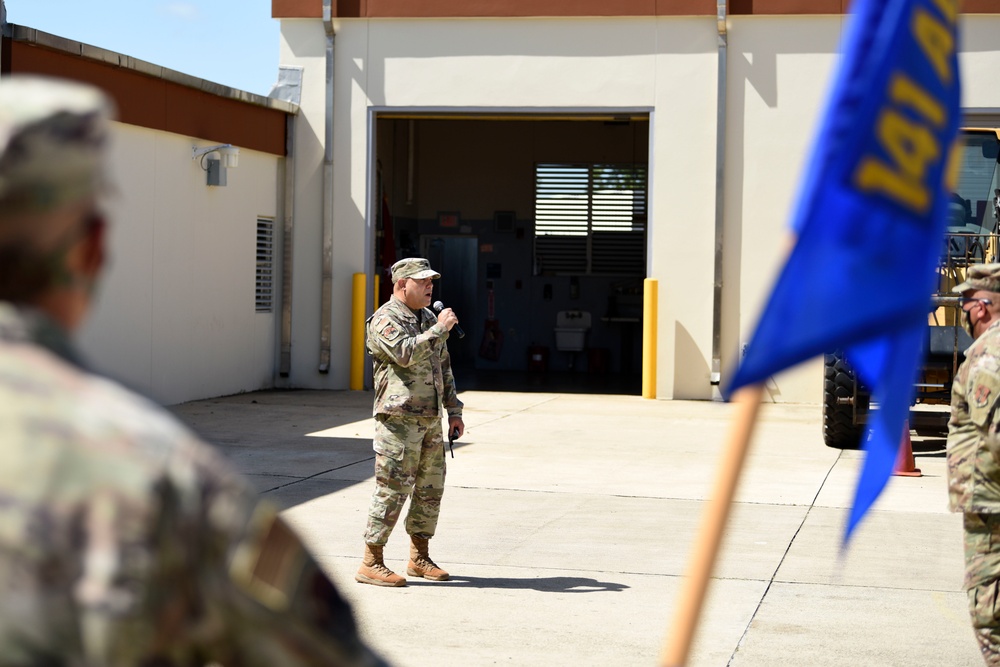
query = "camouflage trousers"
{"x": 982, "y": 579}
{"x": 409, "y": 463}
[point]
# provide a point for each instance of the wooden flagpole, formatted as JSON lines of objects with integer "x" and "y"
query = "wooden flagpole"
{"x": 706, "y": 547}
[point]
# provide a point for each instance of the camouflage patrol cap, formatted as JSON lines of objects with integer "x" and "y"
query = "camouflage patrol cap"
{"x": 413, "y": 267}
{"x": 52, "y": 138}
{"x": 980, "y": 276}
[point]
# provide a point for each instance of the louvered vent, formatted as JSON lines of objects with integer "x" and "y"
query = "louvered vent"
{"x": 265, "y": 265}
{"x": 590, "y": 219}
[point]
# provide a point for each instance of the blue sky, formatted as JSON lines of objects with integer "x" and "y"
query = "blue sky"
{"x": 232, "y": 42}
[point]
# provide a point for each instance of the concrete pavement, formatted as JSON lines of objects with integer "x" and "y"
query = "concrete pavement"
{"x": 568, "y": 521}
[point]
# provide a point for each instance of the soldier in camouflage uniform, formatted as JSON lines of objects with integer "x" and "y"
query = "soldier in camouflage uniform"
{"x": 124, "y": 540}
{"x": 974, "y": 453}
{"x": 413, "y": 379}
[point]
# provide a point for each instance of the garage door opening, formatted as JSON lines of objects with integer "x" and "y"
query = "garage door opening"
{"x": 539, "y": 225}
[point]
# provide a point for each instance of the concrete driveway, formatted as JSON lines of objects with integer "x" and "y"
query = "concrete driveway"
{"x": 568, "y": 521}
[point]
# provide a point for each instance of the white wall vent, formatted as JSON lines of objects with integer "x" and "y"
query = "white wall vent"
{"x": 265, "y": 265}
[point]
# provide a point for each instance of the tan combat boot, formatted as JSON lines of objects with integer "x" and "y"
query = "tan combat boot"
{"x": 373, "y": 570}
{"x": 420, "y": 564}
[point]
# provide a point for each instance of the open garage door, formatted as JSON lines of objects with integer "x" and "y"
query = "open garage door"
{"x": 539, "y": 226}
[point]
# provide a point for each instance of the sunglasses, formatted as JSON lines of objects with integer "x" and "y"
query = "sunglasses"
{"x": 962, "y": 300}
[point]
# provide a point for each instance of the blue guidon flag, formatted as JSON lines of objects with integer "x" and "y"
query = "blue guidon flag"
{"x": 869, "y": 220}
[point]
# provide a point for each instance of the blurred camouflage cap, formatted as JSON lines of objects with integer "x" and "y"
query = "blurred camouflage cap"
{"x": 52, "y": 138}
{"x": 413, "y": 267}
{"x": 980, "y": 276}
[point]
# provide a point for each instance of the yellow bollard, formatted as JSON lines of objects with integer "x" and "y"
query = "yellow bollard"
{"x": 358, "y": 333}
{"x": 649, "y": 315}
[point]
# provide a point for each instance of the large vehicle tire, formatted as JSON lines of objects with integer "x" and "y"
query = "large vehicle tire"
{"x": 839, "y": 429}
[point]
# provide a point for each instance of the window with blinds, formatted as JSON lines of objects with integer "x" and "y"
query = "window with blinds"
{"x": 265, "y": 265}
{"x": 590, "y": 219}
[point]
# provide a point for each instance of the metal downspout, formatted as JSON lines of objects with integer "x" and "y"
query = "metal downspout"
{"x": 3, "y": 33}
{"x": 285, "y": 361}
{"x": 326, "y": 296}
{"x": 720, "y": 159}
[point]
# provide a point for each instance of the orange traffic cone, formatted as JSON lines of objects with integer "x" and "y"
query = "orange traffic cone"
{"x": 905, "y": 466}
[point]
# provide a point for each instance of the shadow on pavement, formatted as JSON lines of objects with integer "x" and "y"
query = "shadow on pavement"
{"x": 543, "y": 584}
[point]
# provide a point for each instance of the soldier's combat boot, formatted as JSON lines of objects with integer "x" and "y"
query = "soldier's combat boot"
{"x": 373, "y": 570}
{"x": 420, "y": 564}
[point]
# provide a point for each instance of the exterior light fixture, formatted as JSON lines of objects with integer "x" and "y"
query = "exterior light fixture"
{"x": 215, "y": 160}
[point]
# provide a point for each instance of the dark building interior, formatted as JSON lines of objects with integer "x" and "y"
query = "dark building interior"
{"x": 538, "y": 227}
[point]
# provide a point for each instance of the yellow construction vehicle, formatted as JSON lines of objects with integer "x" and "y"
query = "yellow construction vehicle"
{"x": 971, "y": 238}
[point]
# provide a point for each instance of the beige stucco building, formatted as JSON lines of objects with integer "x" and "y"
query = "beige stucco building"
{"x": 180, "y": 313}
{"x": 443, "y": 128}
{"x": 445, "y": 111}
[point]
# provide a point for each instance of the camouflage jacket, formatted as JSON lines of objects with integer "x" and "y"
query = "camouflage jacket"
{"x": 125, "y": 540}
{"x": 412, "y": 366}
{"x": 973, "y": 441}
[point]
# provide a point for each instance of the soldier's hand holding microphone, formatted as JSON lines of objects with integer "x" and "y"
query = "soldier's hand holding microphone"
{"x": 448, "y": 319}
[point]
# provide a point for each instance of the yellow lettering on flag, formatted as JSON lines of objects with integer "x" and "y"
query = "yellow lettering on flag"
{"x": 936, "y": 41}
{"x": 874, "y": 174}
{"x": 949, "y": 8}
{"x": 907, "y": 92}
{"x": 912, "y": 148}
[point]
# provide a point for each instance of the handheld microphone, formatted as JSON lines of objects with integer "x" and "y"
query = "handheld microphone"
{"x": 438, "y": 307}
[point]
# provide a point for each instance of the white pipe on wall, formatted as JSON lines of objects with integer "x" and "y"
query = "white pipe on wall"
{"x": 326, "y": 293}
{"x": 720, "y": 161}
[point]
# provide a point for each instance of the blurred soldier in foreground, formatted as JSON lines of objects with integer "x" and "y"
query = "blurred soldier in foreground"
{"x": 123, "y": 538}
{"x": 413, "y": 379}
{"x": 974, "y": 453}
